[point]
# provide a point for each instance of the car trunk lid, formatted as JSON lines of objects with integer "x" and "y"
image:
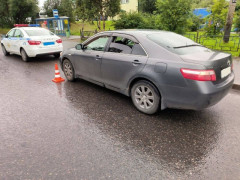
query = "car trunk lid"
{"x": 220, "y": 62}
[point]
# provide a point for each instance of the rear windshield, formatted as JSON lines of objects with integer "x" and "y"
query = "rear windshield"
{"x": 38, "y": 32}
{"x": 176, "y": 43}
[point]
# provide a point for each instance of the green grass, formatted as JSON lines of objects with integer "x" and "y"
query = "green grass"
{"x": 88, "y": 26}
{"x": 4, "y": 30}
{"x": 217, "y": 42}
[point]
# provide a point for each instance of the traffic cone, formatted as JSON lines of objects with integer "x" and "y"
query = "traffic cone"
{"x": 57, "y": 78}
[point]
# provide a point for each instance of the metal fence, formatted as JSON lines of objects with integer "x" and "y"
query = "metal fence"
{"x": 216, "y": 42}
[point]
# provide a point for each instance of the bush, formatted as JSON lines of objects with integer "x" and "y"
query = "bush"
{"x": 136, "y": 20}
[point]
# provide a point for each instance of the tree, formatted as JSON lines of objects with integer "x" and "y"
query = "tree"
{"x": 20, "y": 10}
{"x": 228, "y": 26}
{"x": 97, "y": 9}
{"x": 147, "y": 6}
{"x": 64, "y": 7}
{"x": 174, "y": 14}
{"x": 217, "y": 19}
{"x": 202, "y": 3}
{"x": 5, "y": 18}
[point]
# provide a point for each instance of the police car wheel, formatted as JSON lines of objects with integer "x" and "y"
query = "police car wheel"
{"x": 57, "y": 55}
{"x": 24, "y": 55}
{"x": 4, "y": 51}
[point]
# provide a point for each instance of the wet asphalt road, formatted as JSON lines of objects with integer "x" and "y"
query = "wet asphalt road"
{"x": 82, "y": 131}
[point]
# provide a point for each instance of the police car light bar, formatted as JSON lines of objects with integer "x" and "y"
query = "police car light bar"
{"x": 26, "y": 25}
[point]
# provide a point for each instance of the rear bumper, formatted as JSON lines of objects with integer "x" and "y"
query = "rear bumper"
{"x": 33, "y": 52}
{"x": 197, "y": 95}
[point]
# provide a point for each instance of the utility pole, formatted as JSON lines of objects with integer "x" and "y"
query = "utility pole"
{"x": 228, "y": 26}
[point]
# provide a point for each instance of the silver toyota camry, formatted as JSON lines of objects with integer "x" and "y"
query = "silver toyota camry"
{"x": 157, "y": 69}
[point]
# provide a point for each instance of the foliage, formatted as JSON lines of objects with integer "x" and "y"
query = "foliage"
{"x": 14, "y": 11}
{"x": 5, "y": 17}
{"x": 201, "y": 3}
{"x": 20, "y": 10}
{"x": 97, "y": 9}
{"x": 147, "y": 6}
{"x": 174, "y": 14}
{"x": 64, "y": 7}
{"x": 217, "y": 19}
{"x": 195, "y": 22}
{"x": 134, "y": 20}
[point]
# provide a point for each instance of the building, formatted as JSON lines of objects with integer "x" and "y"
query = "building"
{"x": 129, "y": 5}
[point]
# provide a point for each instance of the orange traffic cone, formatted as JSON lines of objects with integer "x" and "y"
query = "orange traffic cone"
{"x": 57, "y": 78}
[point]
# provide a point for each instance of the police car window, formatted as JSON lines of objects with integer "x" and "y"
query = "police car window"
{"x": 121, "y": 45}
{"x": 38, "y": 32}
{"x": 18, "y": 33}
{"x": 11, "y": 33}
{"x": 98, "y": 45}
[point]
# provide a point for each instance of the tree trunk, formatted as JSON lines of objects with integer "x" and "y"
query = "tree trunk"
{"x": 229, "y": 22}
{"x": 99, "y": 23}
{"x": 103, "y": 22}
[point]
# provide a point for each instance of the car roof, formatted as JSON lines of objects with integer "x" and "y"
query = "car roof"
{"x": 138, "y": 31}
{"x": 28, "y": 28}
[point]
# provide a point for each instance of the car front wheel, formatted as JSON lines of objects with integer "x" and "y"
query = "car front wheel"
{"x": 68, "y": 70}
{"x": 145, "y": 97}
{"x": 4, "y": 51}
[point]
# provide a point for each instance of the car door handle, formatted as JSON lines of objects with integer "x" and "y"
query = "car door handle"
{"x": 136, "y": 62}
{"x": 98, "y": 57}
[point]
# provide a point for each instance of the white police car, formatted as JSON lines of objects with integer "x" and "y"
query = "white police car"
{"x": 30, "y": 41}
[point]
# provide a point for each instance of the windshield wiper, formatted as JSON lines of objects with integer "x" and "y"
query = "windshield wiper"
{"x": 191, "y": 45}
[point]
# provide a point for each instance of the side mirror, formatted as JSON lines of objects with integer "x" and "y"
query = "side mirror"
{"x": 79, "y": 46}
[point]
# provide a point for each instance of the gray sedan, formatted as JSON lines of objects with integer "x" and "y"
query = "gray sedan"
{"x": 157, "y": 69}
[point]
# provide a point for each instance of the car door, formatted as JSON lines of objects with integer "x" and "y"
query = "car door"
{"x": 124, "y": 58}
{"x": 87, "y": 61}
{"x": 8, "y": 41}
{"x": 16, "y": 41}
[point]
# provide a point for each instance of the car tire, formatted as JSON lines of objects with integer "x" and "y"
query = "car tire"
{"x": 57, "y": 55}
{"x": 145, "y": 97}
{"x": 24, "y": 55}
{"x": 68, "y": 70}
{"x": 4, "y": 51}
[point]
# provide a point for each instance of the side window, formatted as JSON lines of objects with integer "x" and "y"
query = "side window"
{"x": 11, "y": 33}
{"x": 18, "y": 33}
{"x": 98, "y": 44}
{"x": 121, "y": 45}
{"x": 138, "y": 50}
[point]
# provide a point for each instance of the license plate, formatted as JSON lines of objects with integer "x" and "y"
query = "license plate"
{"x": 48, "y": 43}
{"x": 225, "y": 72}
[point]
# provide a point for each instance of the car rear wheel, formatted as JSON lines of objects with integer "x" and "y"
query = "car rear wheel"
{"x": 24, "y": 55}
{"x": 4, "y": 51}
{"x": 57, "y": 55}
{"x": 68, "y": 70}
{"x": 145, "y": 97}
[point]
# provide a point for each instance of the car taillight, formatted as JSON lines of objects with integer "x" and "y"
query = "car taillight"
{"x": 59, "y": 41}
{"x": 199, "y": 75}
{"x": 31, "y": 42}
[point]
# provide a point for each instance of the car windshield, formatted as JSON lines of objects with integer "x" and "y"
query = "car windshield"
{"x": 38, "y": 32}
{"x": 176, "y": 43}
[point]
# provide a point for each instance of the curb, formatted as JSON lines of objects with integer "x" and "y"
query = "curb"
{"x": 236, "y": 87}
